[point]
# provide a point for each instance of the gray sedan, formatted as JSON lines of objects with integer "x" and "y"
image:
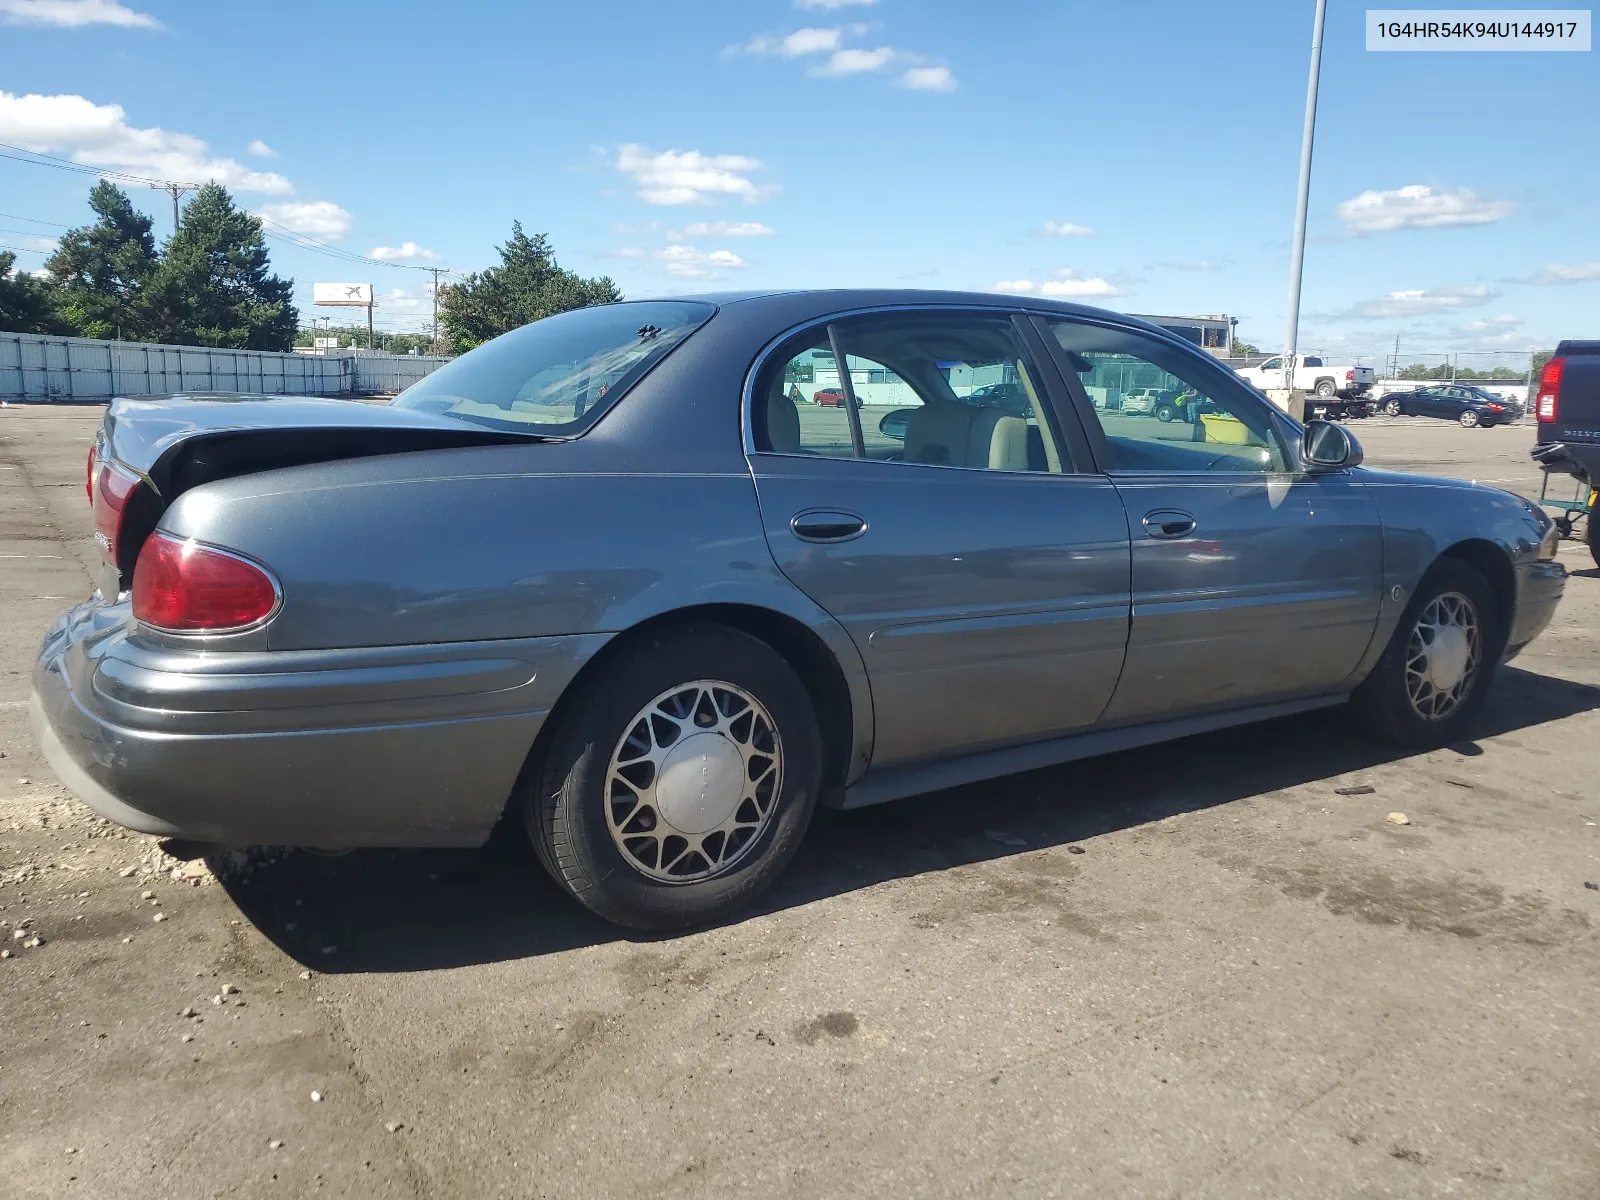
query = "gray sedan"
{"x": 604, "y": 576}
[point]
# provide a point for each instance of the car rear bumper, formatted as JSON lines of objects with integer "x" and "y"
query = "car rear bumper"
{"x": 415, "y": 746}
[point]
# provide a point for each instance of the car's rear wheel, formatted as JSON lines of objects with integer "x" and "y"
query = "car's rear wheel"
{"x": 1437, "y": 668}
{"x": 679, "y": 784}
{"x": 1591, "y": 535}
{"x": 1325, "y": 388}
{"x": 1391, "y": 408}
{"x": 1468, "y": 419}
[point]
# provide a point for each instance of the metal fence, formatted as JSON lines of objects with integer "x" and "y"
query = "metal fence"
{"x": 35, "y": 369}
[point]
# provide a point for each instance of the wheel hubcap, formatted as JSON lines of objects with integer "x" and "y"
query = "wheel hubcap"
{"x": 1442, "y": 656}
{"x": 693, "y": 781}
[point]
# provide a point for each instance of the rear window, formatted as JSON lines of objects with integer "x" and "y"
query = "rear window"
{"x": 556, "y": 377}
{"x": 1312, "y": 361}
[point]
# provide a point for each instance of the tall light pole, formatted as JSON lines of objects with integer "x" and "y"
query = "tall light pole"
{"x": 1297, "y": 258}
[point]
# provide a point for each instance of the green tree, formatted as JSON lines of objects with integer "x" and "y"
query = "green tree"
{"x": 1423, "y": 371}
{"x": 1539, "y": 361}
{"x": 101, "y": 270}
{"x": 214, "y": 286}
{"x": 526, "y": 286}
{"x": 26, "y": 304}
{"x": 1242, "y": 349}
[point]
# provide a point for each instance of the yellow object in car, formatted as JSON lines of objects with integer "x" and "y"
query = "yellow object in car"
{"x": 1230, "y": 431}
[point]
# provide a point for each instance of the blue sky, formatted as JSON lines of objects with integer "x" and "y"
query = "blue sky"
{"x": 1141, "y": 155}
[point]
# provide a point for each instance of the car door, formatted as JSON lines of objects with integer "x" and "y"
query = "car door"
{"x": 1252, "y": 582}
{"x": 1436, "y": 403}
{"x": 984, "y": 581}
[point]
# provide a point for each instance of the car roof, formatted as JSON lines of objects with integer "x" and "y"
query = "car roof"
{"x": 808, "y": 301}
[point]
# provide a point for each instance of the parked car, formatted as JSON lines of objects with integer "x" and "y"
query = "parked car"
{"x": 334, "y": 624}
{"x": 1449, "y": 402}
{"x": 828, "y": 397}
{"x": 1011, "y": 397}
{"x": 1141, "y": 402}
{"x": 1323, "y": 379}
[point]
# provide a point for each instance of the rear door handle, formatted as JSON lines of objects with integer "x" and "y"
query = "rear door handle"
{"x": 1169, "y": 523}
{"x": 827, "y": 525}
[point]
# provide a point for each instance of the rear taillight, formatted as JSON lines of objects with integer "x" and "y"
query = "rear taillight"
{"x": 1550, "y": 389}
{"x": 110, "y": 488}
{"x": 88, "y": 481}
{"x": 1349, "y": 374}
{"x": 186, "y": 587}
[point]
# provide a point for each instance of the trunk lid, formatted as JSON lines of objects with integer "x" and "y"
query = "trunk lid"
{"x": 151, "y": 449}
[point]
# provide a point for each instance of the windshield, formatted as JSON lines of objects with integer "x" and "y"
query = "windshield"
{"x": 555, "y": 377}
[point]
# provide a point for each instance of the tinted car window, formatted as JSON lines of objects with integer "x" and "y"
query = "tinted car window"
{"x": 938, "y": 389}
{"x": 556, "y": 376}
{"x": 1198, "y": 424}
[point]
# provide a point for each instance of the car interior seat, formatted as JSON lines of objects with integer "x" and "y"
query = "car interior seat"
{"x": 952, "y": 434}
{"x": 783, "y": 421}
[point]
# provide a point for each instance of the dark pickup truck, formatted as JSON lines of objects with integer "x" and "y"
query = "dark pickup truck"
{"x": 1567, "y": 401}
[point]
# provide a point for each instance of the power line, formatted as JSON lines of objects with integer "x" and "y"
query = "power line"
{"x": 34, "y": 220}
{"x": 66, "y": 164}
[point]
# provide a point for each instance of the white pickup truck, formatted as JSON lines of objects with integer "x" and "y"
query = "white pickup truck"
{"x": 1313, "y": 374}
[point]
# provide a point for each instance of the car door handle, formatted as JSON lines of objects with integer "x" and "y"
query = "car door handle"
{"x": 1169, "y": 523}
{"x": 827, "y": 525}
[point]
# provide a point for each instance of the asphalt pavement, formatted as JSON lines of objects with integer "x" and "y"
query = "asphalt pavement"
{"x": 1216, "y": 968}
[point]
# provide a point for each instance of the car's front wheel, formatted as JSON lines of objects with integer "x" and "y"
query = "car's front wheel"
{"x": 679, "y": 783}
{"x": 1437, "y": 668}
{"x": 1468, "y": 419}
{"x": 1391, "y": 408}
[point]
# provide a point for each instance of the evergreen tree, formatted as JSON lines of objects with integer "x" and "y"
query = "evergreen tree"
{"x": 526, "y": 286}
{"x": 101, "y": 269}
{"x": 26, "y": 304}
{"x": 213, "y": 287}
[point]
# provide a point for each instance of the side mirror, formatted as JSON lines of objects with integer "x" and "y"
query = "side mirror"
{"x": 1329, "y": 447}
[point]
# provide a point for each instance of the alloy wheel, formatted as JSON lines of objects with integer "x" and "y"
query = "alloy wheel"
{"x": 1469, "y": 419}
{"x": 1443, "y": 656}
{"x": 1392, "y": 408}
{"x": 693, "y": 781}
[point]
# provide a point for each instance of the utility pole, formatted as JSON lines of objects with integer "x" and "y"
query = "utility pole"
{"x": 1298, "y": 257}
{"x": 1395, "y": 373}
{"x": 174, "y": 190}
{"x": 433, "y": 337}
{"x": 369, "y": 324}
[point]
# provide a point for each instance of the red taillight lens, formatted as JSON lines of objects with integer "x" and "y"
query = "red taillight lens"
{"x": 111, "y": 488}
{"x": 1349, "y": 374}
{"x": 185, "y": 587}
{"x": 88, "y": 480}
{"x": 1550, "y": 389}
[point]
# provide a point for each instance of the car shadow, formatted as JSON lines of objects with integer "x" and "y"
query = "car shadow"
{"x": 398, "y": 910}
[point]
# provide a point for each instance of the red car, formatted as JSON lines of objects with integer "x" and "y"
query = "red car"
{"x": 830, "y": 397}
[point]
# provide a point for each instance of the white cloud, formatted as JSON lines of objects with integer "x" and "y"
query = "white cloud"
{"x": 831, "y": 4}
{"x": 404, "y": 252}
{"x": 1417, "y": 206}
{"x": 1420, "y": 302}
{"x": 322, "y": 219}
{"x": 1068, "y": 283}
{"x": 23, "y": 241}
{"x": 1563, "y": 273}
{"x": 74, "y": 14}
{"x": 261, "y": 150}
{"x": 854, "y": 62}
{"x": 699, "y": 229}
{"x": 929, "y": 79}
{"x": 1195, "y": 264}
{"x": 1504, "y": 321}
{"x": 1066, "y": 229}
{"x": 689, "y": 177}
{"x": 98, "y": 135}
{"x": 690, "y": 263}
{"x": 794, "y": 45}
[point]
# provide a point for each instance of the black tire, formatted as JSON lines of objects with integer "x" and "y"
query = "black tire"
{"x": 1591, "y": 535}
{"x": 1392, "y": 408}
{"x": 1469, "y": 420}
{"x": 1382, "y": 702}
{"x": 1165, "y": 413}
{"x": 1325, "y": 388}
{"x": 564, "y": 806}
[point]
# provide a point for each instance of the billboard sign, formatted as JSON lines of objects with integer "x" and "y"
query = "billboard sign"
{"x": 353, "y": 295}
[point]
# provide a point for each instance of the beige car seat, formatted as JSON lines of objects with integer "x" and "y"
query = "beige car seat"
{"x": 783, "y": 421}
{"x": 948, "y": 433}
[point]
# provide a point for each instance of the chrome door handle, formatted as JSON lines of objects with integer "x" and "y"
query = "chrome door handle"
{"x": 1169, "y": 523}
{"x": 827, "y": 525}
